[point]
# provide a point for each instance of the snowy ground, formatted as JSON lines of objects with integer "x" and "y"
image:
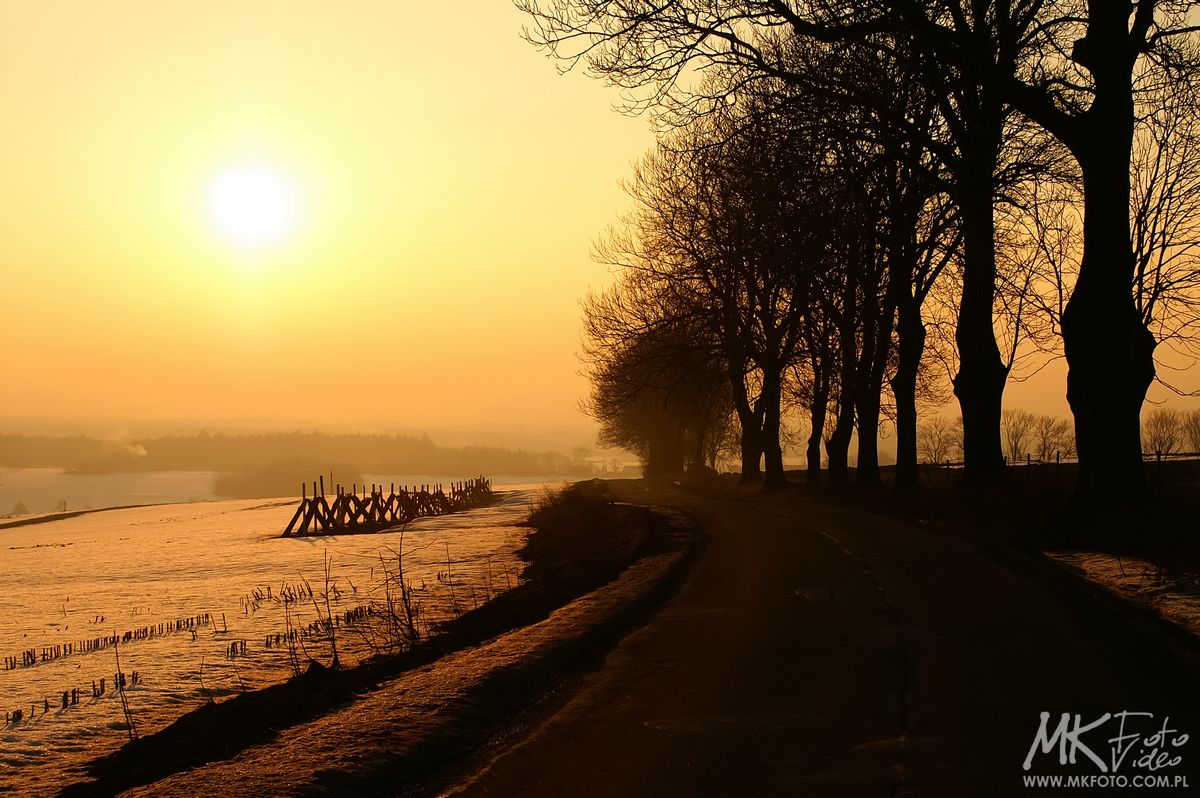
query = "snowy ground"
{"x": 1140, "y": 582}
{"x": 106, "y": 573}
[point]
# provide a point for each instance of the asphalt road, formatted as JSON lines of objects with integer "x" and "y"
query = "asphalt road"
{"x": 817, "y": 651}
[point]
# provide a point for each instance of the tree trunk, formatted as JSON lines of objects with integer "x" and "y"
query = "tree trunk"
{"x": 665, "y": 456}
{"x": 700, "y": 450}
{"x": 866, "y": 403}
{"x": 750, "y": 420}
{"x": 979, "y": 384}
{"x": 837, "y": 448}
{"x": 872, "y": 369}
{"x": 1109, "y": 350}
{"x": 910, "y": 347}
{"x": 752, "y": 452}
{"x": 772, "y": 399}
{"x": 820, "y": 407}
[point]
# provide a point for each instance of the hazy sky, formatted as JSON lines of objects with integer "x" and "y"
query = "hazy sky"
{"x": 444, "y": 186}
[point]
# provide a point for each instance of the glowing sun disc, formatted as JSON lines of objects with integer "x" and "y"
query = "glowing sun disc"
{"x": 252, "y": 206}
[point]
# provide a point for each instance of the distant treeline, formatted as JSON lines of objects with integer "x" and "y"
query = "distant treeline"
{"x": 246, "y": 453}
{"x": 284, "y": 478}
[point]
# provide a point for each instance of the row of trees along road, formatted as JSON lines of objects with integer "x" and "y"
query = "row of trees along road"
{"x": 834, "y": 176}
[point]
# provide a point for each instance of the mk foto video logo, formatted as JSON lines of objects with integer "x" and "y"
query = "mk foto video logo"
{"x": 1122, "y": 750}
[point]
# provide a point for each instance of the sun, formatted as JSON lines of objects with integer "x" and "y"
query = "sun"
{"x": 252, "y": 206}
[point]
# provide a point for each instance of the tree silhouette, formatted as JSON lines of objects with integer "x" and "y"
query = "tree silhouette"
{"x": 1191, "y": 431}
{"x": 658, "y": 387}
{"x": 935, "y": 440}
{"x": 1081, "y": 86}
{"x": 1077, "y": 69}
{"x": 1052, "y": 437}
{"x": 1018, "y": 426}
{"x": 1163, "y": 431}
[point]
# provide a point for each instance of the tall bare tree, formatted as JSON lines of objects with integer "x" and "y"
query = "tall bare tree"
{"x": 1018, "y": 425}
{"x": 1080, "y": 82}
{"x": 1163, "y": 431}
{"x": 658, "y": 385}
{"x": 1052, "y": 437}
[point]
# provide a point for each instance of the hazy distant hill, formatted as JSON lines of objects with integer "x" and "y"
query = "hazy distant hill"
{"x": 284, "y": 479}
{"x": 247, "y": 453}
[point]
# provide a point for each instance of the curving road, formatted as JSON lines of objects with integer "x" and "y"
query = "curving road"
{"x": 817, "y": 651}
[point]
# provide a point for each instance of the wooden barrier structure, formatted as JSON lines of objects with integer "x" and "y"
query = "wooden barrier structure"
{"x": 350, "y": 513}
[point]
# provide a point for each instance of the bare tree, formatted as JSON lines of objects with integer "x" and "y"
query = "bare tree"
{"x": 658, "y": 385}
{"x": 729, "y": 218}
{"x": 1191, "y": 430}
{"x": 935, "y": 439}
{"x": 1163, "y": 430}
{"x": 1080, "y": 82}
{"x": 1018, "y": 426}
{"x": 815, "y": 380}
{"x": 1166, "y": 215}
{"x": 1052, "y": 437}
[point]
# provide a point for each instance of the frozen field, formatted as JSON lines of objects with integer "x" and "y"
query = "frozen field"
{"x": 119, "y": 571}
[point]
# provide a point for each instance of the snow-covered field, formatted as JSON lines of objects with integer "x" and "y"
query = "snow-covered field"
{"x": 118, "y": 571}
{"x": 45, "y": 490}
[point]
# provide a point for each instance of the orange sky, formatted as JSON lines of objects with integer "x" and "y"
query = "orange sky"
{"x": 448, "y": 185}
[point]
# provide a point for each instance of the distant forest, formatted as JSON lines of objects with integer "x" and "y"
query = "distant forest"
{"x": 367, "y": 454}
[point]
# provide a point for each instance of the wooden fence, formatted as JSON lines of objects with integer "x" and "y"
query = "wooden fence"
{"x": 1166, "y": 473}
{"x": 351, "y": 513}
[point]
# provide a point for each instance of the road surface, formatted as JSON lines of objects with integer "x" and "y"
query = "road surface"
{"x": 817, "y": 651}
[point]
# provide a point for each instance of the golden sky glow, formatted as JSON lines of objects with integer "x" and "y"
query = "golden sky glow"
{"x": 427, "y": 190}
{"x": 442, "y": 184}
